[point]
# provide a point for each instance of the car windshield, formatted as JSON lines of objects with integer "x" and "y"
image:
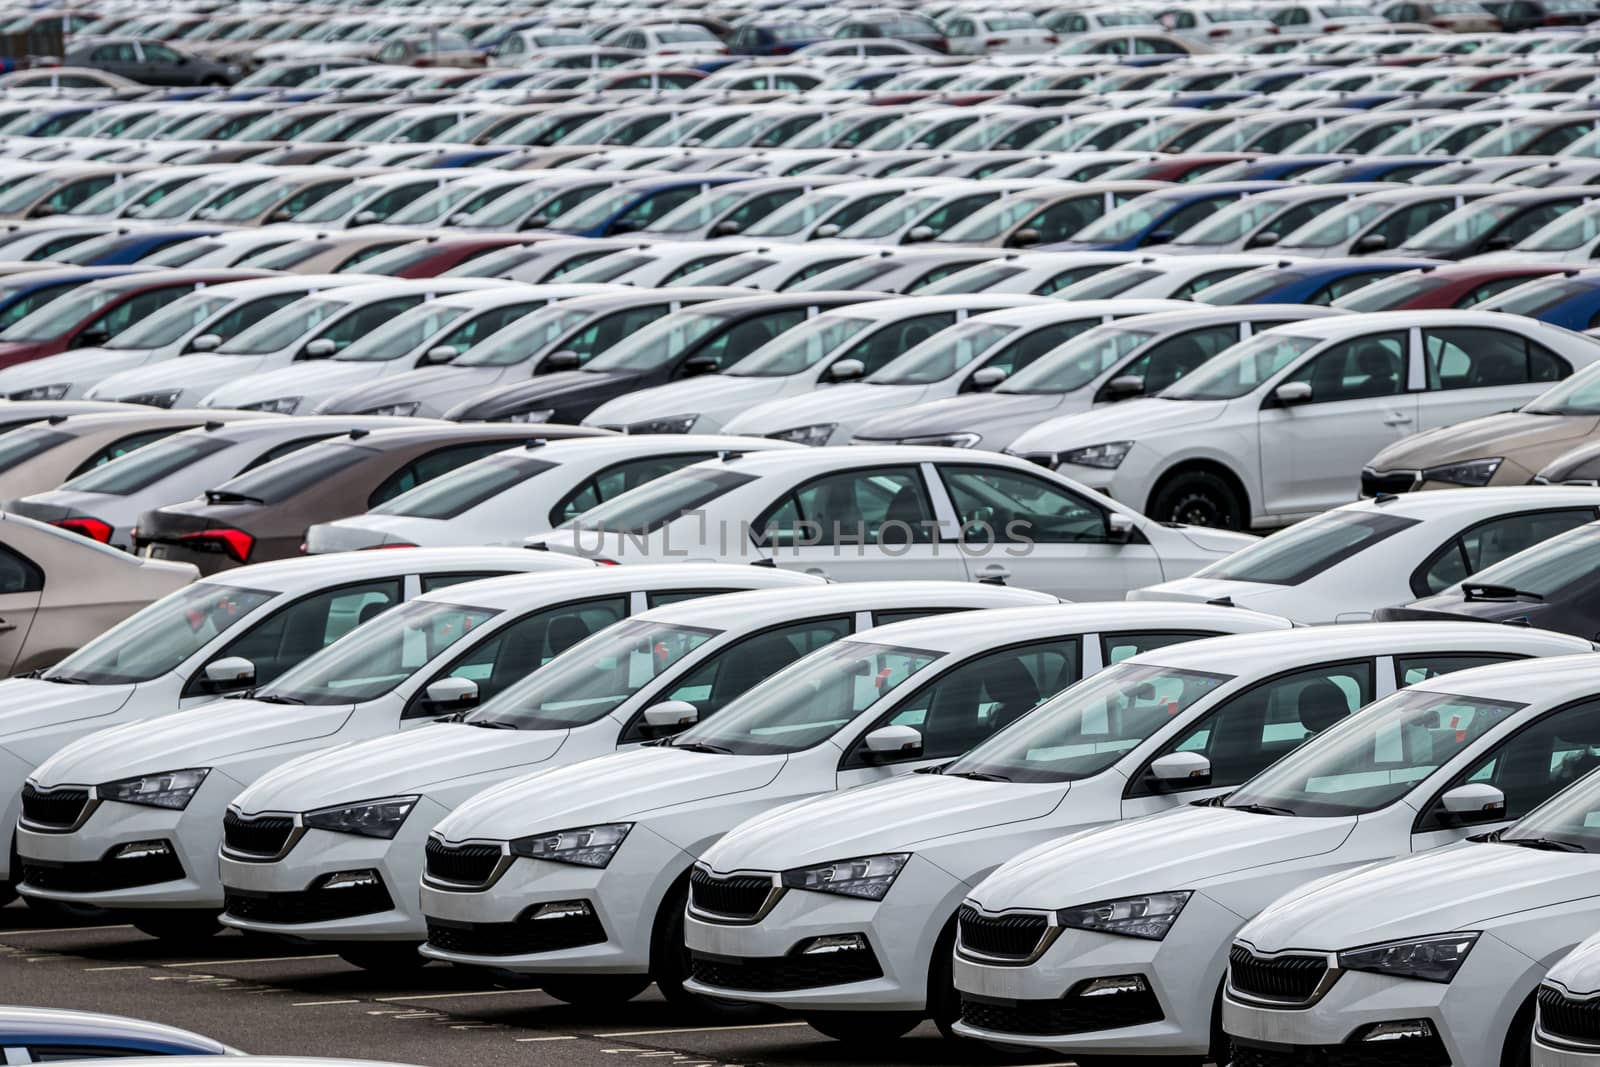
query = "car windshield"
{"x": 161, "y": 637}
{"x": 594, "y": 677}
{"x": 1371, "y": 760}
{"x": 1578, "y": 395}
{"x": 402, "y": 334}
{"x": 1105, "y": 284}
{"x": 796, "y": 215}
{"x": 377, "y": 656}
{"x": 1089, "y": 727}
{"x": 1306, "y": 549}
{"x": 1391, "y": 292}
{"x": 991, "y": 221}
{"x": 658, "y": 502}
{"x": 171, "y": 322}
{"x": 1464, "y": 227}
{"x": 943, "y": 354}
{"x": 1241, "y": 369}
{"x": 660, "y": 342}
{"x": 525, "y": 340}
{"x": 465, "y": 488}
{"x": 1128, "y": 221}
{"x": 809, "y": 701}
{"x": 144, "y": 467}
{"x": 800, "y": 348}
{"x": 1571, "y": 817}
{"x": 59, "y": 315}
{"x": 283, "y": 328}
{"x": 1078, "y": 362}
{"x": 1561, "y": 563}
{"x": 1344, "y": 223}
{"x": 1234, "y": 222}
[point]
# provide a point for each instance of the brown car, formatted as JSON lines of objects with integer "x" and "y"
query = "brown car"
{"x": 263, "y": 514}
{"x": 58, "y": 590}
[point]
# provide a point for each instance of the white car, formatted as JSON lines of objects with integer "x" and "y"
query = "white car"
{"x": 605, "y": 847}
{"x": 433, "y": 656}
{"x": 1113, "y": 363}
{"x": 504, "y": 498}
{"x": 373, "y": 199}
{"x": 1145, "y": 736}
{"x": 1317, "y": 18}
{"x": 1039, "y": 273}
{"x": 1573, "y": 238}
{"x": 973, "y": 356}
{"x": 1279, "y": 427}
{"x": 776, "y": 267}
{"x": 198, "y": 322}
{"x": 1347, "y": 563}
{"x": 863, "y": 513}
{"x": 978, "y": 33}
{"x": 1564, "y": 1033}
{"x": 315, "y": 327}
{"x": 433, "y": 332}
{"x": 1149, "y": 909}
{"x": 232, "y": 248}
{"x": 614, "y": 691}
{"x": 1216, "y": 24}
{"x": 655, "y": 265}
{"x": 1442, "y": 954}
{"x": 924, "y": 214}
{"x": 1162, "y": 277}
{"x": 841, "y": 345}
{"x": 157, "y": 661}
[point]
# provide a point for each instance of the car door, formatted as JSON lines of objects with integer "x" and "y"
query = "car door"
{"x": 1311, "y": 452}
{"x": 21, "y": 591}
{"x": 1022, "y": 529}
{"x": 1473, "y": 370}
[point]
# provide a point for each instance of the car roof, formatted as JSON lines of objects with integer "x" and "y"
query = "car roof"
{"x": 743, "y": 610}
{"x": 999, "y": 625}
{"x": 1341, "y": 325}
{"x": 1468, "y": 502}
{"x": 513, "y": 591}
{"x": 1065, "y": 310}
{"x": 294, "y": 574}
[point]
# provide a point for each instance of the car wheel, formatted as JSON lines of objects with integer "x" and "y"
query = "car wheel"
{"x": 863, "y": 1027}
{"x": 669, "y": 962}
{"x": 178, "y": 926}
{"x": 594, "y": 990}
{"x": 944, "y": 1003}
{"x": 1199, "y": 498}
{"x": 1518, "y": 1050}
{"x": 383, "y": 955}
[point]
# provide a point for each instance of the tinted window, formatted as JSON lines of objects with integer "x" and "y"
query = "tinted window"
{"x": 1306, "y": 549}
{"x": 1474, "y": 358}
{"x": 118, "y": 449}
{"x": 999, "y": 505}
{"x": 147, "y": 466}
{"x": 428, "y": 467}
{"x": 18, "y": 574}
{"x": 466, "y": 488}
{"x": 1114, "y": 648}
{"x": 885, "y": 505}
{"x": 1370, "y": 366}
{"x": 616, "y": 480}
{"x": 1409, "y": 670}
{"x": 1490, "y": 542}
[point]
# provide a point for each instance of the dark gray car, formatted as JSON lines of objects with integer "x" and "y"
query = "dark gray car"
{"x": 150, "y": 62}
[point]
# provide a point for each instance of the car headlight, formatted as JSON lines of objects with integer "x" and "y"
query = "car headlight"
{"x": 539, "y": 415}
{"x": 402, "y": 410}
{"x": 155, "y": 400}
{"x": 1108, "y": 456}
{"x": 1467, "y": 472}
{"x": 670, "y": 424}
{"x": 586, "y": 846}
{"x": 815, "y": 435}
{"x": 371, "y": 818}
{"x": 1435, "y": 958}
{"x": 41, "y": 392}
{"x": 867, "y": 877}
{"x": 1149, "y": 917}
{"x": 283, "y": 405}
{"x": 169, "y": 789}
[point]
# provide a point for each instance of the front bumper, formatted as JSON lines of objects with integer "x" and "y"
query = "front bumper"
{"x": 766, "y": 962}
{"x": 289, "y": 896}
{"x": 1018, "y": 1005}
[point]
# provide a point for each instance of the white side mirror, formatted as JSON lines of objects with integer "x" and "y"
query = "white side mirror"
{"x": 919, "y": 234}
{"x": 1293, "y": 393}
{"x": 1182, "y": 769}
{"x": 365, "y": 218}
{"x": 671, "y": 715}
{"x": 826, "y": 230}
{"x": 230, "y": 673}
{"x": 988, "y": 377}
{"x": 321, "y": 348}
{"x": 452, "y": 693}
{"x": 205, "y": 342}
{"x": 1119, "y": 528}
{"x": 1475, "y": 802}
{"x": 888, "y": 742}
{"x": 846, "y": 370}
{"x": 440, "y": 354}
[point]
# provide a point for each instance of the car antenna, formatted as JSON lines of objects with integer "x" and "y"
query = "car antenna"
{"x": 1385, "y": 498}
{"x": 765, "y": 562}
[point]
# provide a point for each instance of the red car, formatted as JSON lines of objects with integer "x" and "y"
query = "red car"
{"x": 429, "y": 257}
{"x": 1459, "y": 285}
{"x": 93, "y": 313}
{"x": 1184, "y": 168}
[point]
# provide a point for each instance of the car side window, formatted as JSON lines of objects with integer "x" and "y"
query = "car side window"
{"x": 429, "y": 466}
{"x": 1114, "y": 648}
{"x": 1470, "y": 357}
{"x": 282, "y": 449}
{"x": 1245, "y": 734}
{"x": 18, "y": 574}
{"x": 1488, "y": 289}
{"x": 64, "y": 1053}
{"x": 996, "y": 505}
{"x": 1490, "y": 542}
{"x": 1344, "y": 285}
{"x": 1409, "y": 670}
{"x": 1201, "y": 282}
{"x": 246, "y": 315}
{"x": 431, "y": 582}
{"x": 609, "y": 329}
{"x": 121, "y": 447}
{"x": 1020, "y": 353}
{"x": 1534, "y": 764}
{"x": 616, "y": 479}
{"x": 363, "y": 321}
{"x": 738, "y": 341}
{"x": 1067, "y": 277}
{"x": 1166, "y": 361}
{"x": 522, "y": 647}
{"x": 1369, "y": 366}
{"x": 138, "y": 307}
{"x": 975, "y": 700}
{"x": 1409, "y": 221}
{"x": 884, "y": 618}
{"x": 1191, "y": 214}
{"x": 1059, "y": 222}
{"x": 879, "y": 505}
{"x": 879, "y": 347}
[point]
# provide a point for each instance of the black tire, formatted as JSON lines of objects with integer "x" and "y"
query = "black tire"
{"x": 383, "y": 956}
{"x": 1199, "y": 498}
{"x": 669, "y": 963}
{"x": 594, "y": 990}
{"x": 944, "y": 1003}
{"x": 178, "y": 926}
{"x": 1518, "y": 1050}
{"x": 8, "y": 893}
{"x": 863, "y": 1027}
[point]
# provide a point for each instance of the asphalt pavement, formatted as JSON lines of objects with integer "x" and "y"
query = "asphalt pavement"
{"x": 265, "y": 997}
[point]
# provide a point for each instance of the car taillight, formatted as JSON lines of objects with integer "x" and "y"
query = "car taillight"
{"x": 1216, "y": 33}
{"x": 236, "y": 543}
{"x": 942, "y": 44}
{"x": 1051, "y": 38}
{"x": 782, "y": 49}
{"x": 1333, "y": 27}
{"x": 606, "y": 562}
{"x": 993, "y": 42}
{"x": 93, "y": 529}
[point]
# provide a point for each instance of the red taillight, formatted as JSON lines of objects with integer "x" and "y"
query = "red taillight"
{"x": 236, "y": 543}
{"x": 93, "y": 529}
{"x": 1216, "y": 33}
{"x": 1051, "y": 38}
{"x": 993, "y": 42}
{"x": 605, "y": 562}
{"x": 1333, "y": 27}
{"x": 782, "y": 49}
{"x": 391, "y": 544}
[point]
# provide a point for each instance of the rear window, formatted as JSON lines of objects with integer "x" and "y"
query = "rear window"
{"x": 1305, "y": 550}
{"x": 464, "y": 489}
{"x": 19, "y": 446}
{"x": 147, "y": 466}
{"x": 293, "y": 474}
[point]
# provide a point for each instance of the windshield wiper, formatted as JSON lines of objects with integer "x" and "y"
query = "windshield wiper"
{"x": 490, "y": 724}
{"x": 274, "y": 698}
{"x": 1481, "y": 591}
{"x": 65, "y": 679}
{"x": 701, "y": 746}
{"x": 228, "y": 496}
{"x": 1260, "y": 809}
{"x": 1543, "y": 844}
{"x": 978, "y": 776}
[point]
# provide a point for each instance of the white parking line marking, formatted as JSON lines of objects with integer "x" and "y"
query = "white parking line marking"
{"x": 67, "y": 929}
{"x": 257, "y": 959}
{"x": 119, "y": 967}
{"x": 442, "y": 996}
{"x": 552, "y": 1037}
{"x": 700, "y": 1029}
{"x": 320, "y": 1003}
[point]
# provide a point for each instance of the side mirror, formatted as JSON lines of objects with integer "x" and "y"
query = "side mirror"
{"x": 280, "y": 215}
{"x": 670, "y": 717}
{"x": 321, "y": 348}
{"x": 698, "y": 365}
{"x": 1119, "y": 528}
{"x": 450, "y": 694}
{"x": 624, "y": 226}
{"x": 566, "y": 359}
{"x": 537, "y": 222}
{"x": 1024, "y": 238}
{"x": 1125, "y": 386}
{"x": 985, "y": 378}
{"x": 439, "y": 354}
{"x": 919, "y": 234}
{"x": 458, "y": 219}
{"x": 1473, "y": 803}
{"x": 1372, "y": 242}
{"x": 1498, "y": 243}
{"x": 1291, "y": 393}
{"x": 1263, "y": 240}
{"x": 205, "y": 342}
{"x": 364, "y": 218}
{"x": 889, "y": 743}
{"x": 1181, "y": 770}
{"x": 846, "y": 370}
{"x": 1160, "y": 237}
{"x": 726, "y": 229}
{"x": 229, "y": 675}
{"x": 826, "y": 230}
{"x": 94, "y": 335}
{"x": 43, "y": 211}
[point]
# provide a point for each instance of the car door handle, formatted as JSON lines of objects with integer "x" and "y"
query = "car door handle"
{"x": 996, "y": 572}
{"x": 7, "y": 627}
{"x": 1397, "y": 419}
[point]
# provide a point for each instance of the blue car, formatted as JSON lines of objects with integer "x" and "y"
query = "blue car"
{"x": 1570, "y": 299}
{"x": 1270, "y": 168}
{"x": 1377, "y": 168}
{"x": 128, "y": 247}
{"x": 1158, "y": 217}
{"x": 23, "y": 294}
{"x": 775, "y": 38}
{"x": 46, "y": 1035}
{"x": 1318, "y": 281}
{"x": 632, "y": 205}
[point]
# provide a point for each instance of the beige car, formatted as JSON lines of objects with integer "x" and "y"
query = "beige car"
{"x": 59, "y": 589}
{"x": 1507, "y": 448}
{"x": 44, "y": 454}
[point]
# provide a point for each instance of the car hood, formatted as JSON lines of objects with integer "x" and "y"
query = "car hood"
{"x": 1493, "y": 435}
{"x": 564, "y": 385}
{"x": 1128, "y": 421}
{"x": 436, "y": 386}
{"x": 691, "y": 396}
{"x": 892, "y": 816}
{"x": 835, "y": 403}
{"x": 185, "y": 373}
{"x": 319, "y": 378}
{"x": 613, "y": 788}
{"x": 28, "y": 704}
{"x": 201, "y": 737}
{"x": 1177, "y": 850}
{"x": 958, "y": 413}
{"x": 1464, "y": 887}
{"x": 397, "y": 765}
{"x": 81, "y": 366}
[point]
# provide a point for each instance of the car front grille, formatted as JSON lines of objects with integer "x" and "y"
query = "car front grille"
{"x": 526, "y": 936}
{"x": 772, "y": 974}
{"x": 53, "y": 810}
{"x": 1013, "y": 937}
{"x": 1375, "y": 482}
{"x": 739, "y": 897}
{"x": 1287, "y": 979}
{"x": 308, "y": 906}
{"x": 261, "y": 837}
{"x": 1404, "y": 1052}
{"x": 1071, "y": 1014}
{"x": 1567, "y": 1020}
{"x": 461, "y": 866}
{"x": 103, "y": 875}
